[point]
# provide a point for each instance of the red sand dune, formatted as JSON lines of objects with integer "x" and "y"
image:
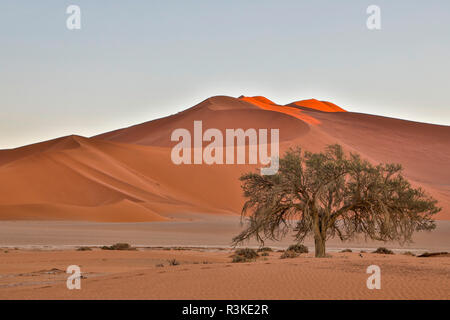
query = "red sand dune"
{"x": 127, "y": 174}
{"x": 314, "y": 104}
{"x": 266, "y": 104}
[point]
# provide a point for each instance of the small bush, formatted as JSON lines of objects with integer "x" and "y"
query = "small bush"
{"x": 383, "y": 250}
{"x": 237, "y": 259}
{"x": 119, "y": 246}
{"x": 346, "y": 250}
{"x": 247, "y": 253}
{"x": 298, "y": 248}
{"x": 434, "y": 254}
{"x": 289, "y": 254}
{"x": 84, "y": 249}
{"x": 409, "y": 253}
{"x": 173, "y": 262}
{"x": 265, "y": 249}
{"x": 265, "y": 254}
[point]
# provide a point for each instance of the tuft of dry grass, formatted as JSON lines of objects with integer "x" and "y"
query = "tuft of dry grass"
{"x": 289, "y": 254}
{"x": 244, "y": 255}
{"x": 173, "y": 262}
{"x": 383, "y": 250}
{"x": 84, "y": 249}
{"x": 119, "y": 246}
{"x": 298, "y": 248}
{"x": 434, "y": 254}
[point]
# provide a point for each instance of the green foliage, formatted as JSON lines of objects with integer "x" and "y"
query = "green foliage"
{"x": 330, "y": 194}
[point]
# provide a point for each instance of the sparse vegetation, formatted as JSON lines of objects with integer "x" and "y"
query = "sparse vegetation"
{"x": 433, "y": 254}
{"x": 244, "y": 255}
{"x": 84, "y": 249}
{"x": 119, "y": 246}
{"x": 409, "y": 253}
{"x": 173, "y": 262}
{"x": 265, "y": 249}
{"x": 237, "y": 259}
{"x": 329, "y": 194}
{"x": 265, "y": 254}
{"x": 289, "y": 254}
{"x": 383, "y": 250}
{"x": 298, "y": 248}
{"x": 247, "y": 253}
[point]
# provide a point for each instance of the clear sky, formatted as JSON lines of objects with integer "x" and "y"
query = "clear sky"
{"x": 134, "y": 61}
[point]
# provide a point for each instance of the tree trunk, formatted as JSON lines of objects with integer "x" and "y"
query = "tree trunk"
{"x": 319, "y": 236}
{"x": 319, "y": 246}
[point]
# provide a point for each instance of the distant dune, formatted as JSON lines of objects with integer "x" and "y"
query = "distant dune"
{"x": 127, "y": 175}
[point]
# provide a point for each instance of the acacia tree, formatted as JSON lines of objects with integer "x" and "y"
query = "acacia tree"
{"x": 331, "y": 194}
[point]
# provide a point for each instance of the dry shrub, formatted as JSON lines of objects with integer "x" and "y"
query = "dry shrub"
{"x": 119, "y": 246}
{"x": 383, "y": 250}
{"x": 289, "y": 254}
{"x": 298, "y": 248}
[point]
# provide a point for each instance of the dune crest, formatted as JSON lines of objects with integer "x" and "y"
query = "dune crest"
{"x": 266, "y": 104}
{"x": 127, "y": 175}
{"x": 314, "y": 104}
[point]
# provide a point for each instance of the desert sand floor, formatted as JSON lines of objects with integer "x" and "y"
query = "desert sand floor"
{"x": 202, "y": 230}
{"x": 209, "y": 274}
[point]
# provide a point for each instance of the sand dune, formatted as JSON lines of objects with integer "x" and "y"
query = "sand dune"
{"x": 314, "y": 104}
{"x": 127, "y": 174}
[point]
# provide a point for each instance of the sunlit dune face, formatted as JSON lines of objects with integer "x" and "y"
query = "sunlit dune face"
{"x": 314, "y": 104}
{"x": 266, "y": 104}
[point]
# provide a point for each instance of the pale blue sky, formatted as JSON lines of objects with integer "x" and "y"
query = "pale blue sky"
{"x": 135, "y": 61}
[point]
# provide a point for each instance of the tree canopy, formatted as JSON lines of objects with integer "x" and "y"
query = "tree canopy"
{"x": 330, "y": 194}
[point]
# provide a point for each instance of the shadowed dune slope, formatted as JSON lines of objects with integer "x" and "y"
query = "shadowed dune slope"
{"x": 127, "y": 175}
